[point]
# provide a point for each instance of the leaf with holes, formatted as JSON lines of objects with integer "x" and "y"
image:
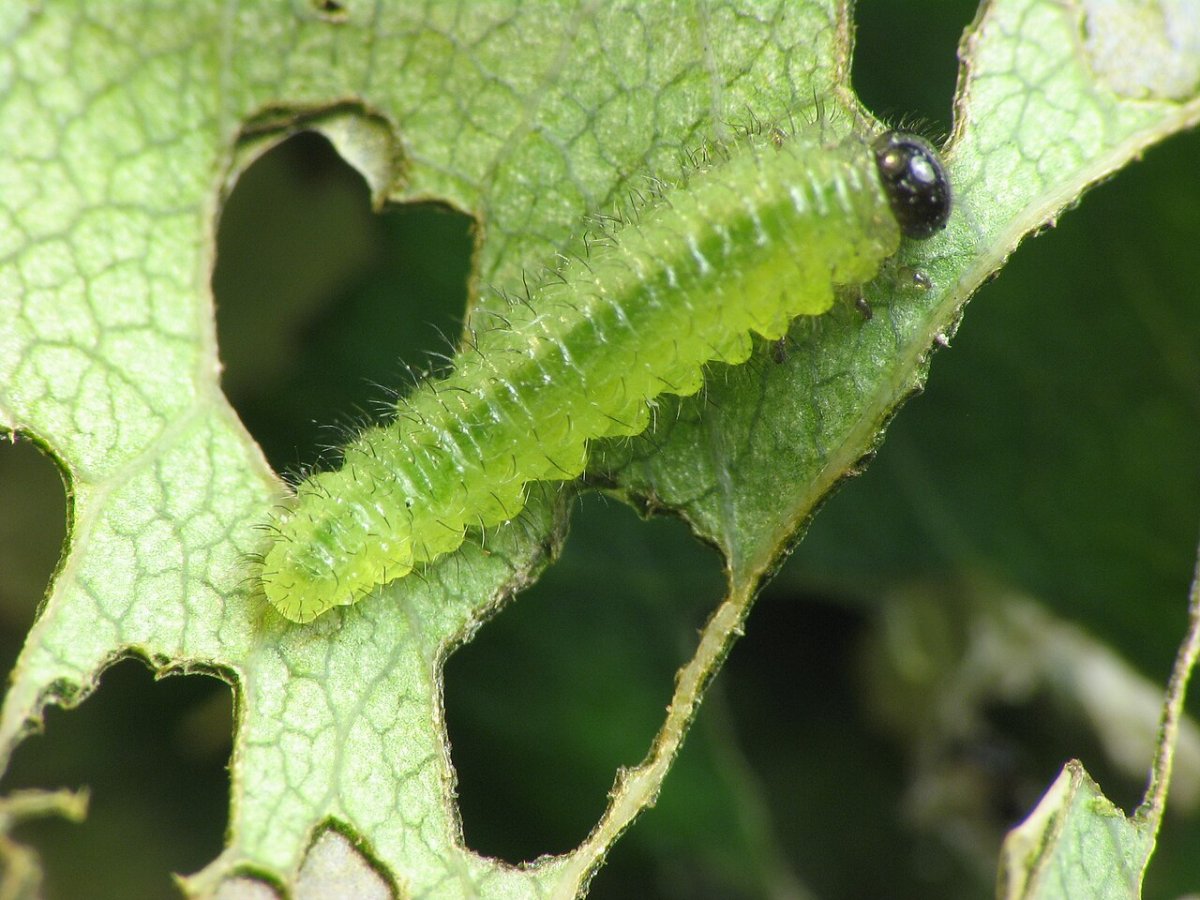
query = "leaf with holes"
{"x": 125, "y": 129}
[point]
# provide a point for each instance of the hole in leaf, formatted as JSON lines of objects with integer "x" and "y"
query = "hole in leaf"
{"x": 322, "y": 302}
{"x": 335, "y": 866}
{"x": 331, "y": 10}
{"x": 243, "y": 887}
{"x": 712, "y": 833}
{"x": 32, "y": 532}
{"x": 570, "y": 682}
{"x": 153, "y": 755}
{"x": 905, "y": 60}
{"x": 825, "y": 784}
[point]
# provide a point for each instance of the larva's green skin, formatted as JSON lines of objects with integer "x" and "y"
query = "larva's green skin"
{"x": 749, "y": 243}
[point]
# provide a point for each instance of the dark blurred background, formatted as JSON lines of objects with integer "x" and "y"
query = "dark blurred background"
{"x": 1052, "y": 456}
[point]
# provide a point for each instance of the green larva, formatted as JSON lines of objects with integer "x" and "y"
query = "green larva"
{"x": 760, "y": 233}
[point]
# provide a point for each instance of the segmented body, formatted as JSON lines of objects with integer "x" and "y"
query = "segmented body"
{"x": 759, "y": 236}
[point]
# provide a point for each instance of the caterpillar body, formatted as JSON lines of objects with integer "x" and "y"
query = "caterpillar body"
{"x": 760, "y": 233}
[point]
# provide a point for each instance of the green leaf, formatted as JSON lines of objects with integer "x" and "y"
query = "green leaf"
{"x": 1075, "y": 844}
{"x": 124, "y": 128}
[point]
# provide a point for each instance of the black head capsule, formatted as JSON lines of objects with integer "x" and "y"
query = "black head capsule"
{"x": 915, "y": 181}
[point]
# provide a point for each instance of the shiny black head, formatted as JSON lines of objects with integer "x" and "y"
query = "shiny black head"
{"x": 915, "y": 181}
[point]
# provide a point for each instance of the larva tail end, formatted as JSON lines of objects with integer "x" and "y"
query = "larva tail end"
{"x": 304, "y": 574}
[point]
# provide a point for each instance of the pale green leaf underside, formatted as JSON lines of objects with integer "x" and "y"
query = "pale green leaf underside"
{"x": 119, "y": 125}
{"x": 1074, "y": 844}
